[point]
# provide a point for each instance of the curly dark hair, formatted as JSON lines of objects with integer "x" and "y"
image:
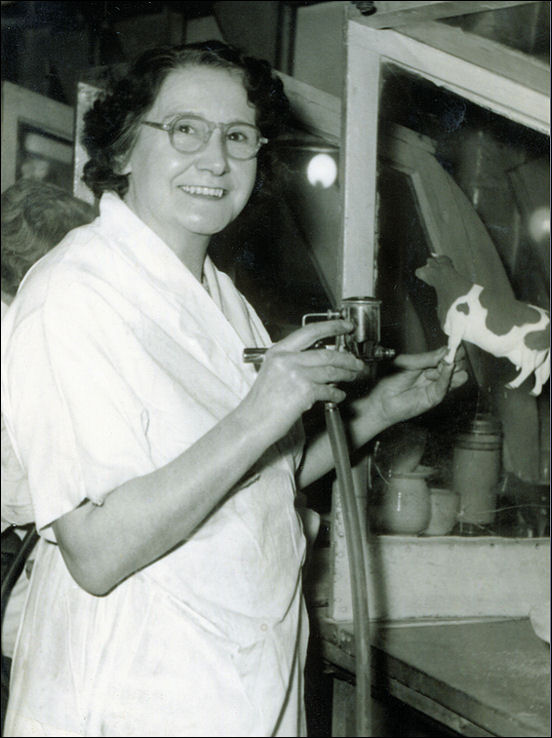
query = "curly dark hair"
{"x": 111, "y": 125}
{"x": 36, "y": 216}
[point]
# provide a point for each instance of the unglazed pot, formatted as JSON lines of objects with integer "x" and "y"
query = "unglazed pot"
{"x": 404, "y": 504}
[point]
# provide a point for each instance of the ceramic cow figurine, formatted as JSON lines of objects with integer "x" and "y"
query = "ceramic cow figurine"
{"x": 500, "y": 325}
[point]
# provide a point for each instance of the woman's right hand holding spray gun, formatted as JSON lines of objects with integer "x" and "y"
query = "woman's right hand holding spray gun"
{"x": 291, "y": 379}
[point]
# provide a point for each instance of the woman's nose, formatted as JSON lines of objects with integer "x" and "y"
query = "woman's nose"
{"x": 213, "y": 156}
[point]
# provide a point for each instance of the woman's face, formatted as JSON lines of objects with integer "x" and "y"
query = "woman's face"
{"x": 163, "y": 183}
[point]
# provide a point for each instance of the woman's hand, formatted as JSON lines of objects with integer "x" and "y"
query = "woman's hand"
{"x": 423, "y": 383}
{"x": 292, "y": 379}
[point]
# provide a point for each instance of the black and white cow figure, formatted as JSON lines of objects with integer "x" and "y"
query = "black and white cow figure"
{"x": 499, "y": 325}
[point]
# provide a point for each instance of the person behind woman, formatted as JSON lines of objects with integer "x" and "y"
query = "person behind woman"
{"x": 35, "y": 217}
{"x": 166, "y": 592}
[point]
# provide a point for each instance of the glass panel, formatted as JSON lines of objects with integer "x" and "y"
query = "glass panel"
{"x": 500, "y": 173}
{"x": 501, "y": 166}
{"x": 524, "y": 27}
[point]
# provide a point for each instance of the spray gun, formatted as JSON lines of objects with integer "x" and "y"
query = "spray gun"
{"x": 364, "y": 343}
{"x": 364, "y": 340}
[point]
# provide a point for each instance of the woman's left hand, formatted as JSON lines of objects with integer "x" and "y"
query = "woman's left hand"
{"x": 423, "y": 383}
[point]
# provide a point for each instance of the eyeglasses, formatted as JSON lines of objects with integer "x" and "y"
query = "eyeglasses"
{"x": 190, "y": 133}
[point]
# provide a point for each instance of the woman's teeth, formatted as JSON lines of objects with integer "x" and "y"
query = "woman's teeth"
{"x": 216, "y": 192}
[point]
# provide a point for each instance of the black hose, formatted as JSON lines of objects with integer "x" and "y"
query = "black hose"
{"x": 16, "y": 567}
{"x": 357, "y": 551}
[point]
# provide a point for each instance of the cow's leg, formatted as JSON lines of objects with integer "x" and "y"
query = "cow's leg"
{"x": 454, "y": 341}
{"x": 542, "y": 373}
{"x": 526, "y": 369}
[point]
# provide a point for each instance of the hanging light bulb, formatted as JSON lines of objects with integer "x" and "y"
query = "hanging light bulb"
{"x": 311, "y": 157}
{"x": 322, "y": 170}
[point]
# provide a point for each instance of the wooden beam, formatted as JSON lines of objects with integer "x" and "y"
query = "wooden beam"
{"x": 358, "y": 161}
{"x": 318, "y": 111}
{"x": 398, "y": 14}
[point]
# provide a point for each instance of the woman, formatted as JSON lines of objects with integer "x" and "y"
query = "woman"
{"x": 166, "y": 593}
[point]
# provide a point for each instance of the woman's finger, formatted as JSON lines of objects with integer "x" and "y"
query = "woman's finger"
{"x": 432, "y": 373}
{"x": 420, "y": 361}
{"x": 319, "y": 366}
{"x": 331, "y": 374}
{"x": 329, "y": 357}
{"x": 303, "y": 338}
{"x": 459, "y": 377}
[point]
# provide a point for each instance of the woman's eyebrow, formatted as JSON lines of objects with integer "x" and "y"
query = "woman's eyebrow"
{"x": 183, "y": 113}
{"x": 177, "y": 113}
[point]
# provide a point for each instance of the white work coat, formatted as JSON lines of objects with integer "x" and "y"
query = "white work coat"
{"x": 14, "y": 513}
{"x": 115, "y": 360}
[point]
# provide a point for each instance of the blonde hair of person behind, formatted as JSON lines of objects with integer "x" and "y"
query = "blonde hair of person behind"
{"x": 35, "y": 217}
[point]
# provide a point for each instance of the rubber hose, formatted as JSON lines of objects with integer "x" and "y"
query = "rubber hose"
{"x": 357, "y": 551}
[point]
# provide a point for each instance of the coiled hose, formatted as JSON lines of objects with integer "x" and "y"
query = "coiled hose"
{"x": 357, "y": 552}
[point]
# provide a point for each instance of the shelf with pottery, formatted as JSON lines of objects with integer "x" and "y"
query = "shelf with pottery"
{"x": 439, "y": 576}
{"x": 417, "y": 565}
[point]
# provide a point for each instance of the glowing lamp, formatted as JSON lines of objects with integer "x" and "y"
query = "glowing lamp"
{"x": 322, "y": 170}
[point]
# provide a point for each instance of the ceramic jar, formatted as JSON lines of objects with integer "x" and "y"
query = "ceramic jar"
{"x": 404, "y": 505}
{"x": 445, "y": 505}
{"x": 476, "y": 468}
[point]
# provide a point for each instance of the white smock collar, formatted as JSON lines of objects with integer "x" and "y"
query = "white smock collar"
{"x": 233, "y": 324}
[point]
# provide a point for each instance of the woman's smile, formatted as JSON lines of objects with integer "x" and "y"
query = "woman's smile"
{"x": 211, "y": 193}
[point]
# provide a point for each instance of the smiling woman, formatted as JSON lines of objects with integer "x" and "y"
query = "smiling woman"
{"x": 166, "y": 597}
{"x": 193, "y": 193}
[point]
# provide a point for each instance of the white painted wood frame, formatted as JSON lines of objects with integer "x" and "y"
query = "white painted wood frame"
{"x": 491, "y": 55}
{"x": 368, "y": 51}
{"x": 398, "y": 13}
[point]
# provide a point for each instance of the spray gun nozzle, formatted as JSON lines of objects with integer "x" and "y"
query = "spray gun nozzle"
{"x": 382, "y": 353}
